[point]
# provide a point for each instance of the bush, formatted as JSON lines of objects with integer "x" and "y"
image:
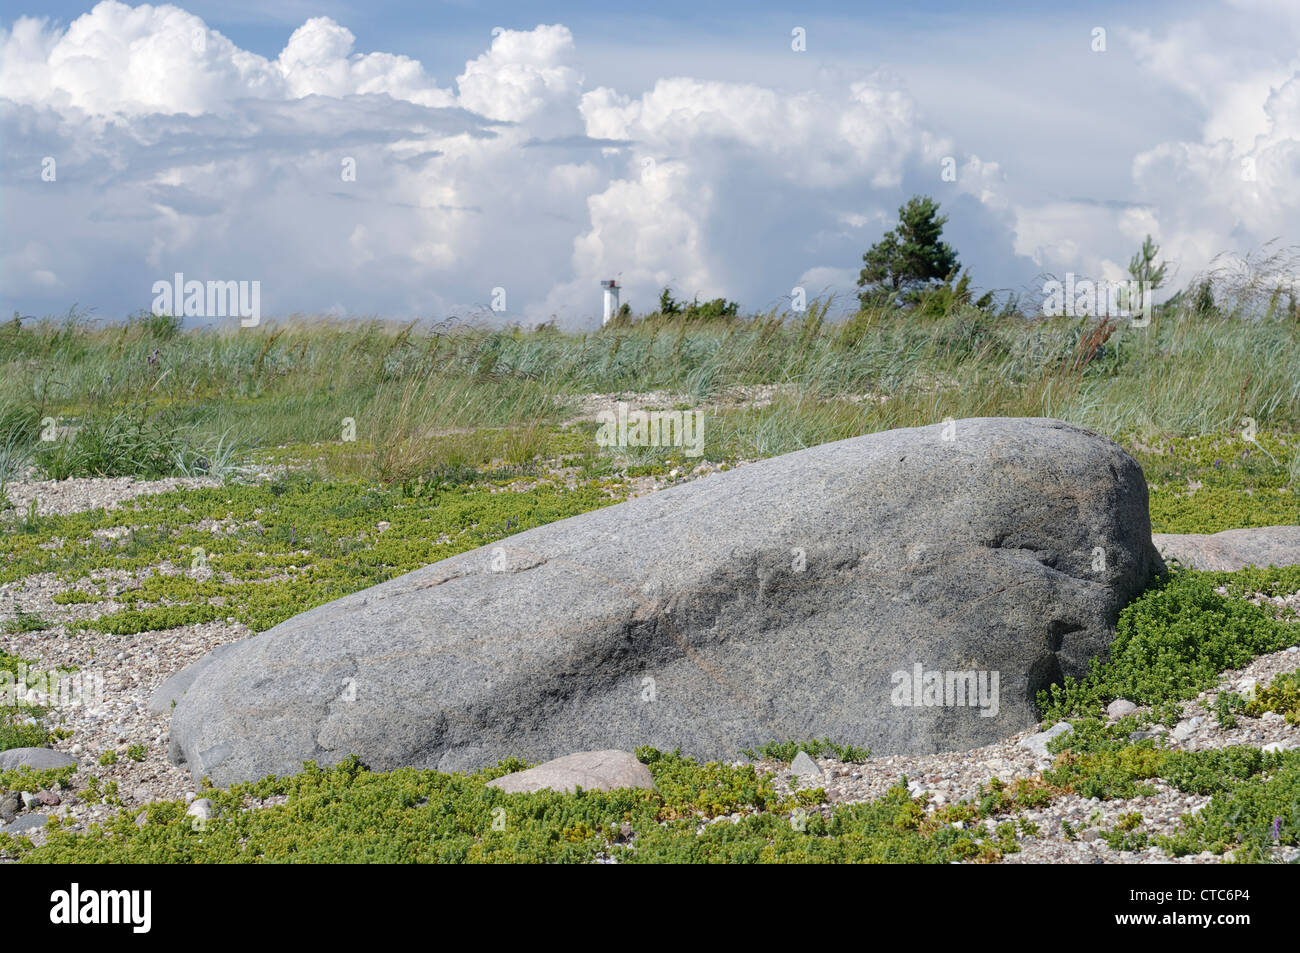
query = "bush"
{"x": 1170, "y": 643}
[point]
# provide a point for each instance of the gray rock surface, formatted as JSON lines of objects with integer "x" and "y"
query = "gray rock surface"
{"x": 796, "y": 597}
{"x": 1232, "y": 549}
{"x": 28, "y": 822}
{"x": 806, "y": 769}
{"x": 1037, "y": 743}
{"x": 176, "y": 686}
{"x": 38, "y": 759}
{"x": 589, "y": 770}
{"x": 1119, "y": 708}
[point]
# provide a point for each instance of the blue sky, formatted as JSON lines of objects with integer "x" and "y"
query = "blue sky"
{"x": 690, "y": 146}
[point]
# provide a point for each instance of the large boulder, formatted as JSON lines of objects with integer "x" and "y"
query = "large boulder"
{"x": 817, "y": 594}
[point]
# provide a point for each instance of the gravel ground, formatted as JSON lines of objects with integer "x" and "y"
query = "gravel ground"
{"x": 132, "y": 667}
{"x": 752, "y": 396}
{"x": 79, "y": 494}
{"x": 955, "y": 776}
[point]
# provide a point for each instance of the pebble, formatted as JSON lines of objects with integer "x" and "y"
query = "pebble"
{"x": 806, "y": 770}
{"x": 1119, "y": 708}
{"x": 203, "y": 809}
{"x": 1038, "y": 743}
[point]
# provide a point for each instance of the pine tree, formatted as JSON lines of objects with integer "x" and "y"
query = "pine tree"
{"x": 909, "y": 257}
{"x": 1142, "y": 268}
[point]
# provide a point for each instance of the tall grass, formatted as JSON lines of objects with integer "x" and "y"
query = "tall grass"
{"x": 148, "y": 396}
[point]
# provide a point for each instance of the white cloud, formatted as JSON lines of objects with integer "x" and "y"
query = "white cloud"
{"x": 319, "y": 60}
{"x": 526, "y": 77}
{"x": 177, "y": 150}
{"x": 1232, "y": 189}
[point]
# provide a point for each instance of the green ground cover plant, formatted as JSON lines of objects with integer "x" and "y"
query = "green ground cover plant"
{"x": 347, "y": 814}
{"x": 20, "y": 725}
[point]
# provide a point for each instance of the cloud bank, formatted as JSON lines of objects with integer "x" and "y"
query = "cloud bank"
{"x": 139, "y": 142}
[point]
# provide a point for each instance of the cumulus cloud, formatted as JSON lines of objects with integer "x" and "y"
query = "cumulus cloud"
{"x": 727, "y": 181}
{"x": 526, "y": 77}
{"x": 353, "y": 180}
{"x": 1232, "y": 190}
{"x": 347, "y": 179}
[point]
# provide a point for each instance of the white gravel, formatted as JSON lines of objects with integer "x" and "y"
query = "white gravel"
{"x": 89, "y": 493}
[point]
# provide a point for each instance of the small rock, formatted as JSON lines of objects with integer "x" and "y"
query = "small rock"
{"x": 38, "y": 759}
{"x": 589, "y": 770}
{"x": 1247, "y": 687}
{"x": 1038, "y": 743}
{"x": 806, "y": 769}
{"x": 10, "y": 805}
{"x": 29, "y": 800}
{"x": 142, "y": 819}
{"x": 49, "y": 798}
{"x": 1182, "y": 731}
{"x": 1119, "y": 708}
{"x": 28, "y": 822}
{"x": 203, "y": 809}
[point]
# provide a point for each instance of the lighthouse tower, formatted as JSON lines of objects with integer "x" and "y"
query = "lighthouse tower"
{"x": 611, "y": 300}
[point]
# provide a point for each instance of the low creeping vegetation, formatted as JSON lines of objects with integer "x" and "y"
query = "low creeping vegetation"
{"x": 787, "y": 750}
{"x": 20, "y": 725}
{"x": 698, "y": 813}
{"x": 1174, "y": 640}
{"x": 263, "y": 553}
{"x": 1281, "y": 697}
{"x": 1171, "y": 644}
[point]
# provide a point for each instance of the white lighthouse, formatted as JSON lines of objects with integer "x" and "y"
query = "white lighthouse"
{"x": 611, "y": 300}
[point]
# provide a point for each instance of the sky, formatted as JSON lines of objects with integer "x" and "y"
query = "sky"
{"x": 457, "y": 159}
